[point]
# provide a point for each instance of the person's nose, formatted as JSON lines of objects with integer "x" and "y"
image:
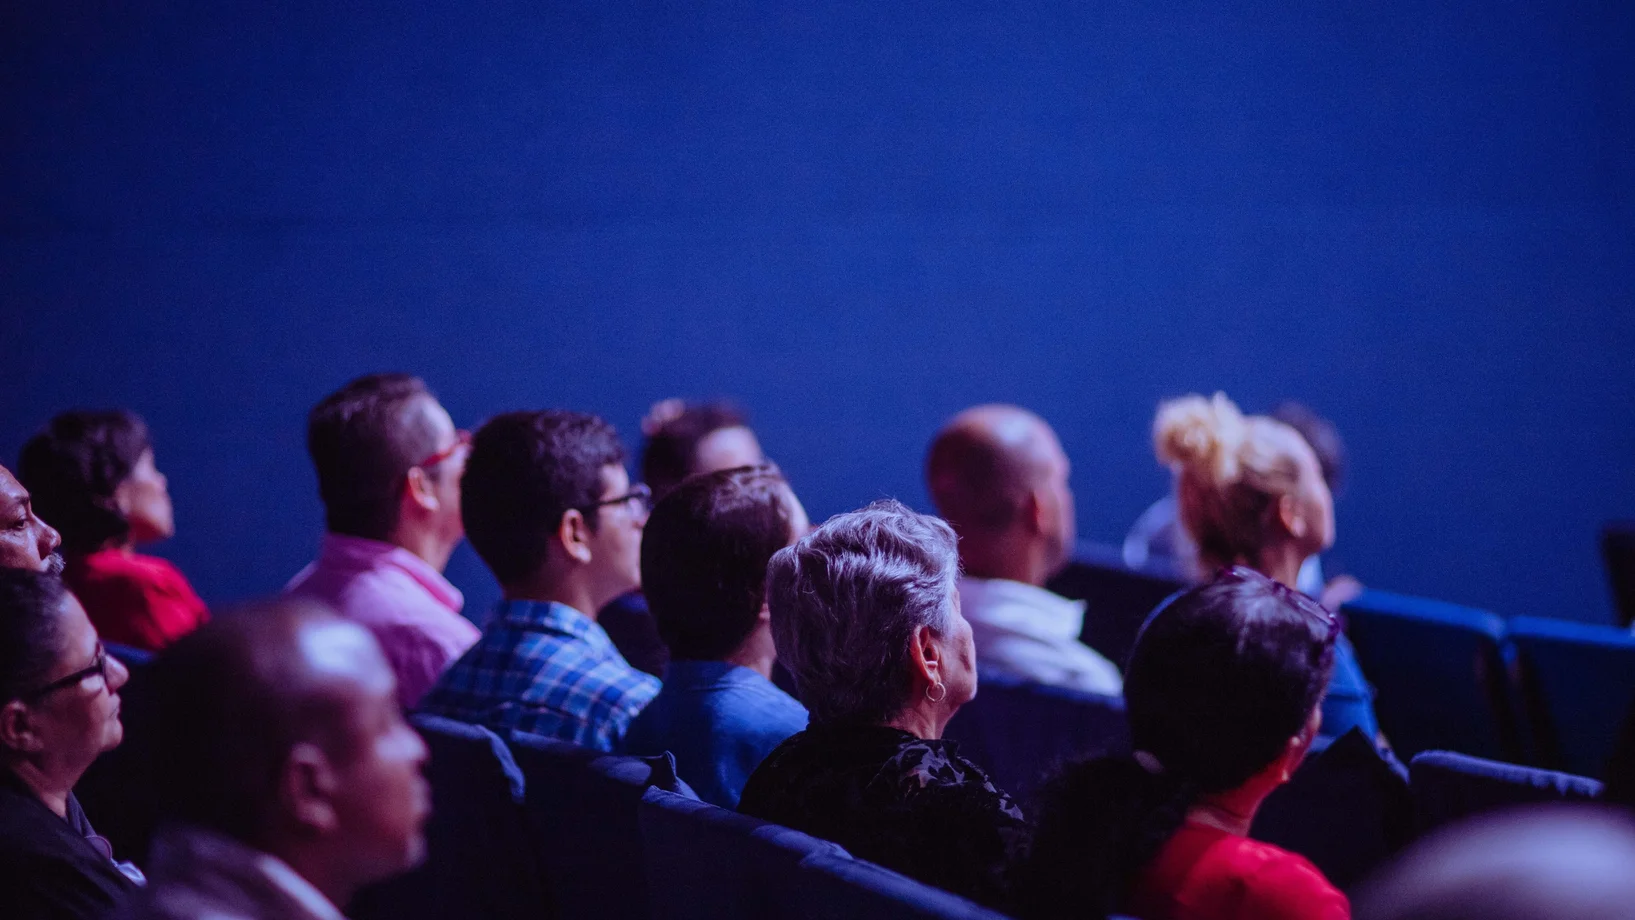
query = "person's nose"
{"x": 50, "y": 539}
{"x": 117, "y": 674}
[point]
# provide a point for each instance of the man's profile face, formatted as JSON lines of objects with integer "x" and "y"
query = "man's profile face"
{"x": 617, "y": 541}
{"x": 26, "y": 542}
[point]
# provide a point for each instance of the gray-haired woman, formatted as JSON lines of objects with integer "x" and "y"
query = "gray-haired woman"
{"x": 866, "y": 618}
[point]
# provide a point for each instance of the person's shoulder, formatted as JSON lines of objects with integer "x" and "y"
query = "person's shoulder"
{"x": 1278, "y": 884}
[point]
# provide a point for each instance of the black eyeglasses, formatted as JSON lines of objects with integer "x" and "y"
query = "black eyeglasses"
{"x": 639, "y": 496}
{"x": 99, "y": 667}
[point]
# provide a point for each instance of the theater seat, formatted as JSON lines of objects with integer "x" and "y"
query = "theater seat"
{"x": 1448, "y": 786}
{"x": 842, "y": 888}
{"x": 1439, "y": 674}
{"x": 1117, "y": 598}
{"x": 707, "y": 863}
{"x": 1019, "y": 732}
{"x": 1618, "y": 552}
{"x": 479, "y": 863}
{"x": 582, "y": 808}
{"x": 1577, "y": 682}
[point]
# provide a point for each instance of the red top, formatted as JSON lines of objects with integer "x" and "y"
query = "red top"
{"x": 1203, "y": 873}
{"x": 135, "y": 600}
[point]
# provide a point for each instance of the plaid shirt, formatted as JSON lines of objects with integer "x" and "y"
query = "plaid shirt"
{"x": 547, "y": 669}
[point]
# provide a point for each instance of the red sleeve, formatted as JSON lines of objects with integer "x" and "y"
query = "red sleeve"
{"x": 1291, "y": 888}
{"x": 147, "y": 604}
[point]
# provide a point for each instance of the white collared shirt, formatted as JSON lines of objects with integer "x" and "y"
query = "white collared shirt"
{"x": 1029, "y": 633}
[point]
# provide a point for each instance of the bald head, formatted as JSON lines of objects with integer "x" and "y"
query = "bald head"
{"x": 998, "y": 474}
{"x": 235, "y": 697}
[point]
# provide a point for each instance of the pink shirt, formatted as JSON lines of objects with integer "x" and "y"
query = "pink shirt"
{"x": 410, "y": 607}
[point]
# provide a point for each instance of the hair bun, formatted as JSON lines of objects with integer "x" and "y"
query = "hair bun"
{"x": 1200, "y": 436}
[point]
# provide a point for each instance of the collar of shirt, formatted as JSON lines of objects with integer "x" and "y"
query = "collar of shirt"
{"x": 341, "y": 551}
{"x": 193, "y": 857}
{"x": 701, "y": 675}
{"x": 999, "y": 603}
{"x": 550, "y": 616}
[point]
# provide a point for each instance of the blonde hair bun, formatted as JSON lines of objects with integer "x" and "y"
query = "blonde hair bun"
{"x": 1202, "y": 437}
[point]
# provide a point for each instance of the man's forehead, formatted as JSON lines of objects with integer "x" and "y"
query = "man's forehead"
{"x": 11, "y": 491}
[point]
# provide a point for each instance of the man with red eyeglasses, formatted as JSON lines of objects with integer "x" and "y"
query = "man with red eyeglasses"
{"x": 389, "y": 462}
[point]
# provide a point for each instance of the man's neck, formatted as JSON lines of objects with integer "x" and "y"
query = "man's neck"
{"x": 756, "y": 653}
{"x": 47, "y": 784}
{"x": 983, "y": 559}
{"x": 321, "y": 870}
{"x": 432, "y": 548}
{"x": 1282, "y": 564}
{"x": 540, "y": 590}
{"x": 1232, "y": 811}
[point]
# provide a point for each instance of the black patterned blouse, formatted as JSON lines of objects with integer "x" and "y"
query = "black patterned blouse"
{"x": 886, "y": 796}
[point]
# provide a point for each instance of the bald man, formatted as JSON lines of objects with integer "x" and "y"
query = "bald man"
{"x": 999, "y": 476}
{"x": 285, "y": 765}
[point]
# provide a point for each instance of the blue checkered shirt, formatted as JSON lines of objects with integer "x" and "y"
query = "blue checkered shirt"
{"x": 547, "y": 669}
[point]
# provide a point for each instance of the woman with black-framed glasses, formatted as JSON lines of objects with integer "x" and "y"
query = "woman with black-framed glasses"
{"x": 59, "y": 710}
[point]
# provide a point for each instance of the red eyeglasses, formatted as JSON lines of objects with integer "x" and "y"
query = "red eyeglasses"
{"x": 462, "y": 438}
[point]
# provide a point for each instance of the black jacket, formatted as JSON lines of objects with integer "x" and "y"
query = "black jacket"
{"x": 49, "y": 870}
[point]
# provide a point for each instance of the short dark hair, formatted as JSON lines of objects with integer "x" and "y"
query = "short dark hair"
{"x": 1221, "y": 677}
{"x": 30, "y": 629}
{"x": 704, "y": 555}
{"x": 229, "y": 702}
{"x": 72, "y": 468}
{"x": 363, "y": 439}
{"x": 526, "y": 469}
{"x": 670, "y": 453}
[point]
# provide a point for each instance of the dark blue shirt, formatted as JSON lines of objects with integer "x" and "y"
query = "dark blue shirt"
{"x": 720, "y": 720}
{"x": 1350, "y": 700}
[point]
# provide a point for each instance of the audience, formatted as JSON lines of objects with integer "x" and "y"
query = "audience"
{"x": 1251, "y": 492}
{"x": 26, "y": 542}
{"x": 289, "y": 778}
{"x": 60, "y": 711}
{"x": 682, "y": 440}
{"x": 389, "y": 461}
{"x": 865, "y": 614}
{"x": 999, "y": 477}
{"x": 1222, "y": 695}
{"x": 704, "y": 556}
{"x": 1562, "y": 862}
{"x": 549, "y": 507}
{"x": 92, "y": 475}
{"x": 1158, "y": 535}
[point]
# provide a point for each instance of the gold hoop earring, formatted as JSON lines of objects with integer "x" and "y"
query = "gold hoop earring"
{"x": 941, "y": 695}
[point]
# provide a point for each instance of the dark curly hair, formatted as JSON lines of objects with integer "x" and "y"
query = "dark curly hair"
{"x": 72, "y": 468}
{"x": 1221, "y": 677}
{"x": 525, "y": 471}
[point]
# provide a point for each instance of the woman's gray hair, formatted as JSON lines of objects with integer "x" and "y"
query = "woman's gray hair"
{"x": 845, "y": 601}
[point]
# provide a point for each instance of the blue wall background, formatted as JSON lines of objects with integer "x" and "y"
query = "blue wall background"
{"x": 856, "y": 220}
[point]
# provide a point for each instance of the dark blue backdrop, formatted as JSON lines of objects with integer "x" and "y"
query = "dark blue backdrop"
{"x": 856, "y": 220}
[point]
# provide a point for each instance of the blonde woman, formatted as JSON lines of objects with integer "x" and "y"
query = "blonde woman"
{"x": 1251, "y": 492}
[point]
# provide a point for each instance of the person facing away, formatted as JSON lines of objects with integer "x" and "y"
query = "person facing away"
{"x": 1158, "y": 534}
{"x": 681, "y": 440}
{"x": 92, "y": 474}
{"x": 60, "y": 711}
{"x": 389, "y": 461}
{"x": 866, "y": 615}
{"x": 26, "y": 542}
{"x": 1223, "y": 697}
{"x": 1252, "y": 493}
{"x": 999, "y": 476}
{"x": 551, "y": 511}
{"x": 704, "y": 555}
{"x": 287, "y": 776}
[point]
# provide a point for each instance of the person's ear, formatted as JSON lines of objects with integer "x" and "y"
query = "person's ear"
{"x": 574, "y": 534}
{"x": 306, "y": 789}
{"x": 1036, "y": 510}
{"x": 420, "y": 491}
{"x": 1295, "y": 752}
{"x": 926, "y": 655}
{"x": 765, "y": 616}
{"x": 17, "y": 730}
{"x": 1292, "y": 515}
{"x": 123, "y": 501}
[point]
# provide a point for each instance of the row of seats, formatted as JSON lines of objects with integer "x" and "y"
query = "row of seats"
{"x": 1547, "y": 692}
{"x": 530, "y": 827}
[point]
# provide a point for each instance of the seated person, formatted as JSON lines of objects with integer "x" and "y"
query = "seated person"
{"x": 682, "y": 440}
{"x": 999, "y": 477}
{"x": 865, "y": 614}
{"x": 61, "y": 711}
{"x": 26, "y": 542}
{"x": 704, "y": 555}
{"x": 288, "y": 776}
{"x": 389, "y": 462}
{"x": 1222, "y": 694}
{"x": 1252, "y": 493}
{"x": 93, "y": 477}
{"x": 1158, "y": 535}
{"x": 551, "y": 511}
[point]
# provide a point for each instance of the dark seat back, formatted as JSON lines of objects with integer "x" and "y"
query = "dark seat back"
{"x": 1618, "y": 552}
{"x": 1577, "y": 681}
{"x": 1020, "y": 732}
{"x": 1439, "y": 672}
{"x": 841, "y": 888}
{"x": 1117, "y": 598}
{"x": 1449, "y": 786}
